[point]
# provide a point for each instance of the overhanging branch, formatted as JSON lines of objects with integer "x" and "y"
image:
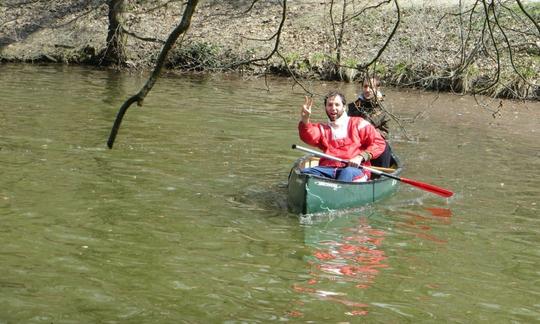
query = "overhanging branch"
{"x": 139, "y": 97}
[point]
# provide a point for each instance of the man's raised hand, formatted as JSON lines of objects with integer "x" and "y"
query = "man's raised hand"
{"x": 306, "y": 109}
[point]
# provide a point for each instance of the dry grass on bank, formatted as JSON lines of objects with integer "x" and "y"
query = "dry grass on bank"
{"x": 426, "y": 52}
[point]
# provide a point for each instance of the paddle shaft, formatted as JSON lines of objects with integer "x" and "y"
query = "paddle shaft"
{"x": 330, "y": 157}
{"x": 421, "y": 185}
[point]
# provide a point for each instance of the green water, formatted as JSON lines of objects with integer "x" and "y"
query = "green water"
{"x": 185, "y": 220}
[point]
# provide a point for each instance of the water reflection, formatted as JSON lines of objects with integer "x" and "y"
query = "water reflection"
{"x": 420, "y": 224}
{"x": 347, "y": 256}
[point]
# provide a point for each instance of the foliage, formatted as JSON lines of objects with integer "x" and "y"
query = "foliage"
{"x": 317, "y": 59}
{"x": 197, "y": 56}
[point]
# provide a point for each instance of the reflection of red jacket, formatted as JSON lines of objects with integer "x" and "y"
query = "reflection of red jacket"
{"x": 361, "y": 137}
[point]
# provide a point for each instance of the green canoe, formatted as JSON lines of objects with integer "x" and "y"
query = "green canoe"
{"x": 308, "y": 194}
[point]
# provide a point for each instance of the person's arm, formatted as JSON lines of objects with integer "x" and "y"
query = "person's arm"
{"x": 374, "y": 144}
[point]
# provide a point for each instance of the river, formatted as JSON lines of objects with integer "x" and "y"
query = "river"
{"x": 185, "y": 219}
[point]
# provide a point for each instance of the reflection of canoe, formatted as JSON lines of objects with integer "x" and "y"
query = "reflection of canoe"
{"x": 311, "y": 194}
{"x": 347, "y": 255}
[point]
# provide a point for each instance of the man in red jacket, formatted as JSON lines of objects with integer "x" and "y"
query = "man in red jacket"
{"x": 348, "y": 138}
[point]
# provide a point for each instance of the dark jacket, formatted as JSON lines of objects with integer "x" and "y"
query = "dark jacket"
{"x": 370, "y": 111}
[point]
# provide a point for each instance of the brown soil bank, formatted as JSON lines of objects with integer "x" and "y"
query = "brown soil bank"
{"x": 444, "y": 47}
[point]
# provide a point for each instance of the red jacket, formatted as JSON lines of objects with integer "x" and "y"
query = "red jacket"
{"x": 361, "y": 137}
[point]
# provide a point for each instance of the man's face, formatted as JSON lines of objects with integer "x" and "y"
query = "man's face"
{"x": 370, "y": 89}
{"x": 334, "y": 108}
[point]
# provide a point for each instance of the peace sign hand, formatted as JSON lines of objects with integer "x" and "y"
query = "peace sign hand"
{"x": 306, "y": 109}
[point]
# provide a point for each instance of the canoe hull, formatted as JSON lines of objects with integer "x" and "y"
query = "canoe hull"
{"x": 309, "y": 194}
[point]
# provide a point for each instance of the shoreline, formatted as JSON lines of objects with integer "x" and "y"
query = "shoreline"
{"x": 220, "y": 35}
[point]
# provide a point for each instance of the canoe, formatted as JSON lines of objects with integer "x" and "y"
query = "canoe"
{"x": 308, "y": 194}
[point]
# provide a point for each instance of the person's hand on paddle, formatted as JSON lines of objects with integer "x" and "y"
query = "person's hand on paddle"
{"x": 356, "y": 161}
{"x": 306, "y": 109}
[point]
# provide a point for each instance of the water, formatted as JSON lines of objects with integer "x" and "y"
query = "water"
{"x": 185, "y": 220}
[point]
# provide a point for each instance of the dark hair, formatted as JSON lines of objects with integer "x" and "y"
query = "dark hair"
{"x": 369, "y": 78}
{"x": 332, "y": 94}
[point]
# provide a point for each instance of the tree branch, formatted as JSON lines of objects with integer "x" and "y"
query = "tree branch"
{"x": 381, "y": 50}
{"x": 528, "y": 16}
{"x": 494, "y": 42}
{"x": 139, "y": 97}
{"x": 277, "y": 36}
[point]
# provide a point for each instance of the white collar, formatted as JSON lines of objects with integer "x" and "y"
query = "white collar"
{"x": 340, "y": 126}
{"x": 343, "y": 120}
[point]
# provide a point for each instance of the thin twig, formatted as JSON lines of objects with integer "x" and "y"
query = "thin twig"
{"x": 383, "y": 48}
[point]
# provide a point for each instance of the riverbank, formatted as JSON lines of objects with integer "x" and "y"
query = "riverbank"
{"x": 433, "y": 48}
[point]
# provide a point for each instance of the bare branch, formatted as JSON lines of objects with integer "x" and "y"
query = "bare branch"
{"x": 277, "y": 37}
{"x": 487, "y": 9}
{"x": 139, "y": 97}
{"x": 146, "y": 39}
{"x": 509, "y": 46}
{"x": 528, "y": 16}
{"x": 366, "y": 9}
{"x": 156, "y": 8}
{"x": 291, "y": 73}
{"x": 381, "y": 50}
{"x": 251, "y": 6}
{"x": 338, "y": 35}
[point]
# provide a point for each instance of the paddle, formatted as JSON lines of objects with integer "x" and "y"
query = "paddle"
{"x": 383, "y": 169}
{"x": 420, "y": 185}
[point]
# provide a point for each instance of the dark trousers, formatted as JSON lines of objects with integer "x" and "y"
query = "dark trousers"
{"x": 384, "y": 159}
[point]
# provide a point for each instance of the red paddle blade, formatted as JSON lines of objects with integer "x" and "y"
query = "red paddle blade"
{"x": 427, "y": 187}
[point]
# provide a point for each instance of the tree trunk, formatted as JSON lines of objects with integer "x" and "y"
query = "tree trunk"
{"x": 115, "y": 52}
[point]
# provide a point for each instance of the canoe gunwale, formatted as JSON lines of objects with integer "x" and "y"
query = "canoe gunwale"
{"x": 299, "y": 161}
